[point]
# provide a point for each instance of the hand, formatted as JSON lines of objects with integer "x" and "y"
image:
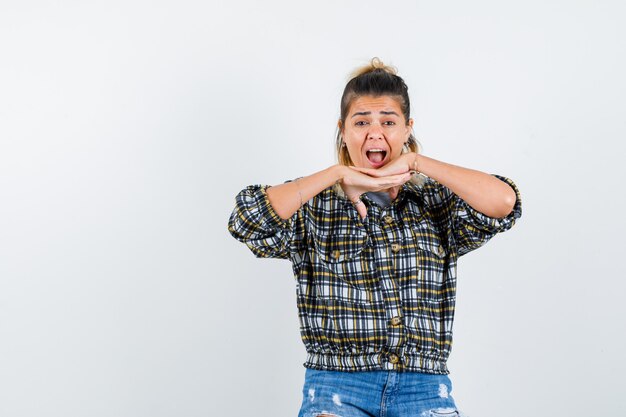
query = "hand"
{"x": 403, "y": 164}
{"x": 355, "y": 183}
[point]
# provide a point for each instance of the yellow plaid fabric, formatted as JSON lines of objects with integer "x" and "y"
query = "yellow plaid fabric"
{"x": 378, "y": 293}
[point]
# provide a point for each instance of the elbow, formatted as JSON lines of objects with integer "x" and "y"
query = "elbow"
{"x": 235, "y": 227}
{"x": 283, "y": 214}
{"x": 507, "y": 203}
{"x": 234, "y": 232}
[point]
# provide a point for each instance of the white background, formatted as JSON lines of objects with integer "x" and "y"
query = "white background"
{"x": 127, "y": 128}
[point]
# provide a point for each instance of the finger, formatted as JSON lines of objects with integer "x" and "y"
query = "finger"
{"x": 369, "y": 171}
{"x": 393, "y": 180}
{"x": 358, "y": 204}
{"x": 362, "y": 210}
{"x": 398, "y": 178}
{"x": 381, "y": 172}
{"x": 364, "y": 170}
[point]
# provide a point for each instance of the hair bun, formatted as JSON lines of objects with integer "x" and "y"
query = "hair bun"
{"x": 375, "y": 64}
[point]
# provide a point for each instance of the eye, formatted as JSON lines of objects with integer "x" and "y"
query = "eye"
{"x": 361, "y": 123}
{"x": 389, "y": 123}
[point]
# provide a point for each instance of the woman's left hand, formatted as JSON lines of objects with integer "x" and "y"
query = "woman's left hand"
{"x": 403, "y": 164}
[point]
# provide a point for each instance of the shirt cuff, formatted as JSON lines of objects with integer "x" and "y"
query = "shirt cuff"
{"x": 272, "y": 219}
{"x": 495, "y": 224}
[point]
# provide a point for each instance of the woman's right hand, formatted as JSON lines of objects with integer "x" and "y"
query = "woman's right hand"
{"x": 355, "y": 183}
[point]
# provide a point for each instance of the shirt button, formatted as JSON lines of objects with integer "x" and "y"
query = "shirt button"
{"x": 396, "y": 321}
{"x": 388, "y": 219}
{"x": 393, "y": 358}
{"x": 441, "y": 251}
{"x": 336, "y": 254}
{"x": 395, "y": 248}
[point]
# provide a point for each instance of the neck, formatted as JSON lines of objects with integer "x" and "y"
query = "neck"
{"x": 393, "y": 192}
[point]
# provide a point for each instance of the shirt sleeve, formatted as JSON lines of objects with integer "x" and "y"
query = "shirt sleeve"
{"x": 255, "y": 223}
{"x": 471, "y": 228}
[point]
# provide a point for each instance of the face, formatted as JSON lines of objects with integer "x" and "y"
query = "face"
{"x": 375, "y": 131}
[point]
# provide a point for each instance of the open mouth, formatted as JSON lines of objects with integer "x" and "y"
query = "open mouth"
{"x": 376, "y": 156}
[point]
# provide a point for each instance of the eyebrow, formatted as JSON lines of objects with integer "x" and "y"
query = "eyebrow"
{"x": 367, "y": 113}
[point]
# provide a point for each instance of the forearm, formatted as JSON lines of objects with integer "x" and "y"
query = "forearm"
{"x": 287, "y": 198}
{"x": 480, "y": 190}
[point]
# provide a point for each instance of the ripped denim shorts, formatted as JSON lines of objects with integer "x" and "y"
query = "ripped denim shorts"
{"x": 376, "y": 394}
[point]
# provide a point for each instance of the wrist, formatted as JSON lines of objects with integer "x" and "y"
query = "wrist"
{"x": 339, "y": 172}
{"x": 412, "y": 160}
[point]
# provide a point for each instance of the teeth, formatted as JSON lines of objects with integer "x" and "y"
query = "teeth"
{"x": 376, "y": 150}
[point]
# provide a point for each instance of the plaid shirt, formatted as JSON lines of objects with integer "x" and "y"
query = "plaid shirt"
{"x": 377, "y": 293}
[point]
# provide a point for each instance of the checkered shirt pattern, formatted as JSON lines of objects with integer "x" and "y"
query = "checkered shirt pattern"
{"x": 377, "y": 293}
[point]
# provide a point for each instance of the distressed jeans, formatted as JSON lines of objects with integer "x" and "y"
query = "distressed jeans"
{"x": 376, "y": 394}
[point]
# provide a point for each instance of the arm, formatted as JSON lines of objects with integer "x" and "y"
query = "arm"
{"x": 268, "y": 220}
{"x": 483, "y": 192}
{"x": 254, "y": 222}
{"x": 478, "y": 205}
{"x": 287, "y": 198}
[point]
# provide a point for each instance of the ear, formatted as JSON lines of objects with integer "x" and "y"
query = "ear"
{"x": 340, "y": 125}
{"x": 409, "y": 127}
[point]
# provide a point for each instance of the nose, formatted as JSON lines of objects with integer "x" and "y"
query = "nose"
{"x": 375, "y": 132}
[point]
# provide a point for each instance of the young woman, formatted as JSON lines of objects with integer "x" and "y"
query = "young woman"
{"x": 374, "y": 242}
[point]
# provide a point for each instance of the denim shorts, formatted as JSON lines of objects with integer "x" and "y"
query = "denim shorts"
{"x": 376, "y": 394}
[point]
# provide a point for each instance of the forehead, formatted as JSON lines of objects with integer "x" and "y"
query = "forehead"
{"x": 375, "y": 104}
